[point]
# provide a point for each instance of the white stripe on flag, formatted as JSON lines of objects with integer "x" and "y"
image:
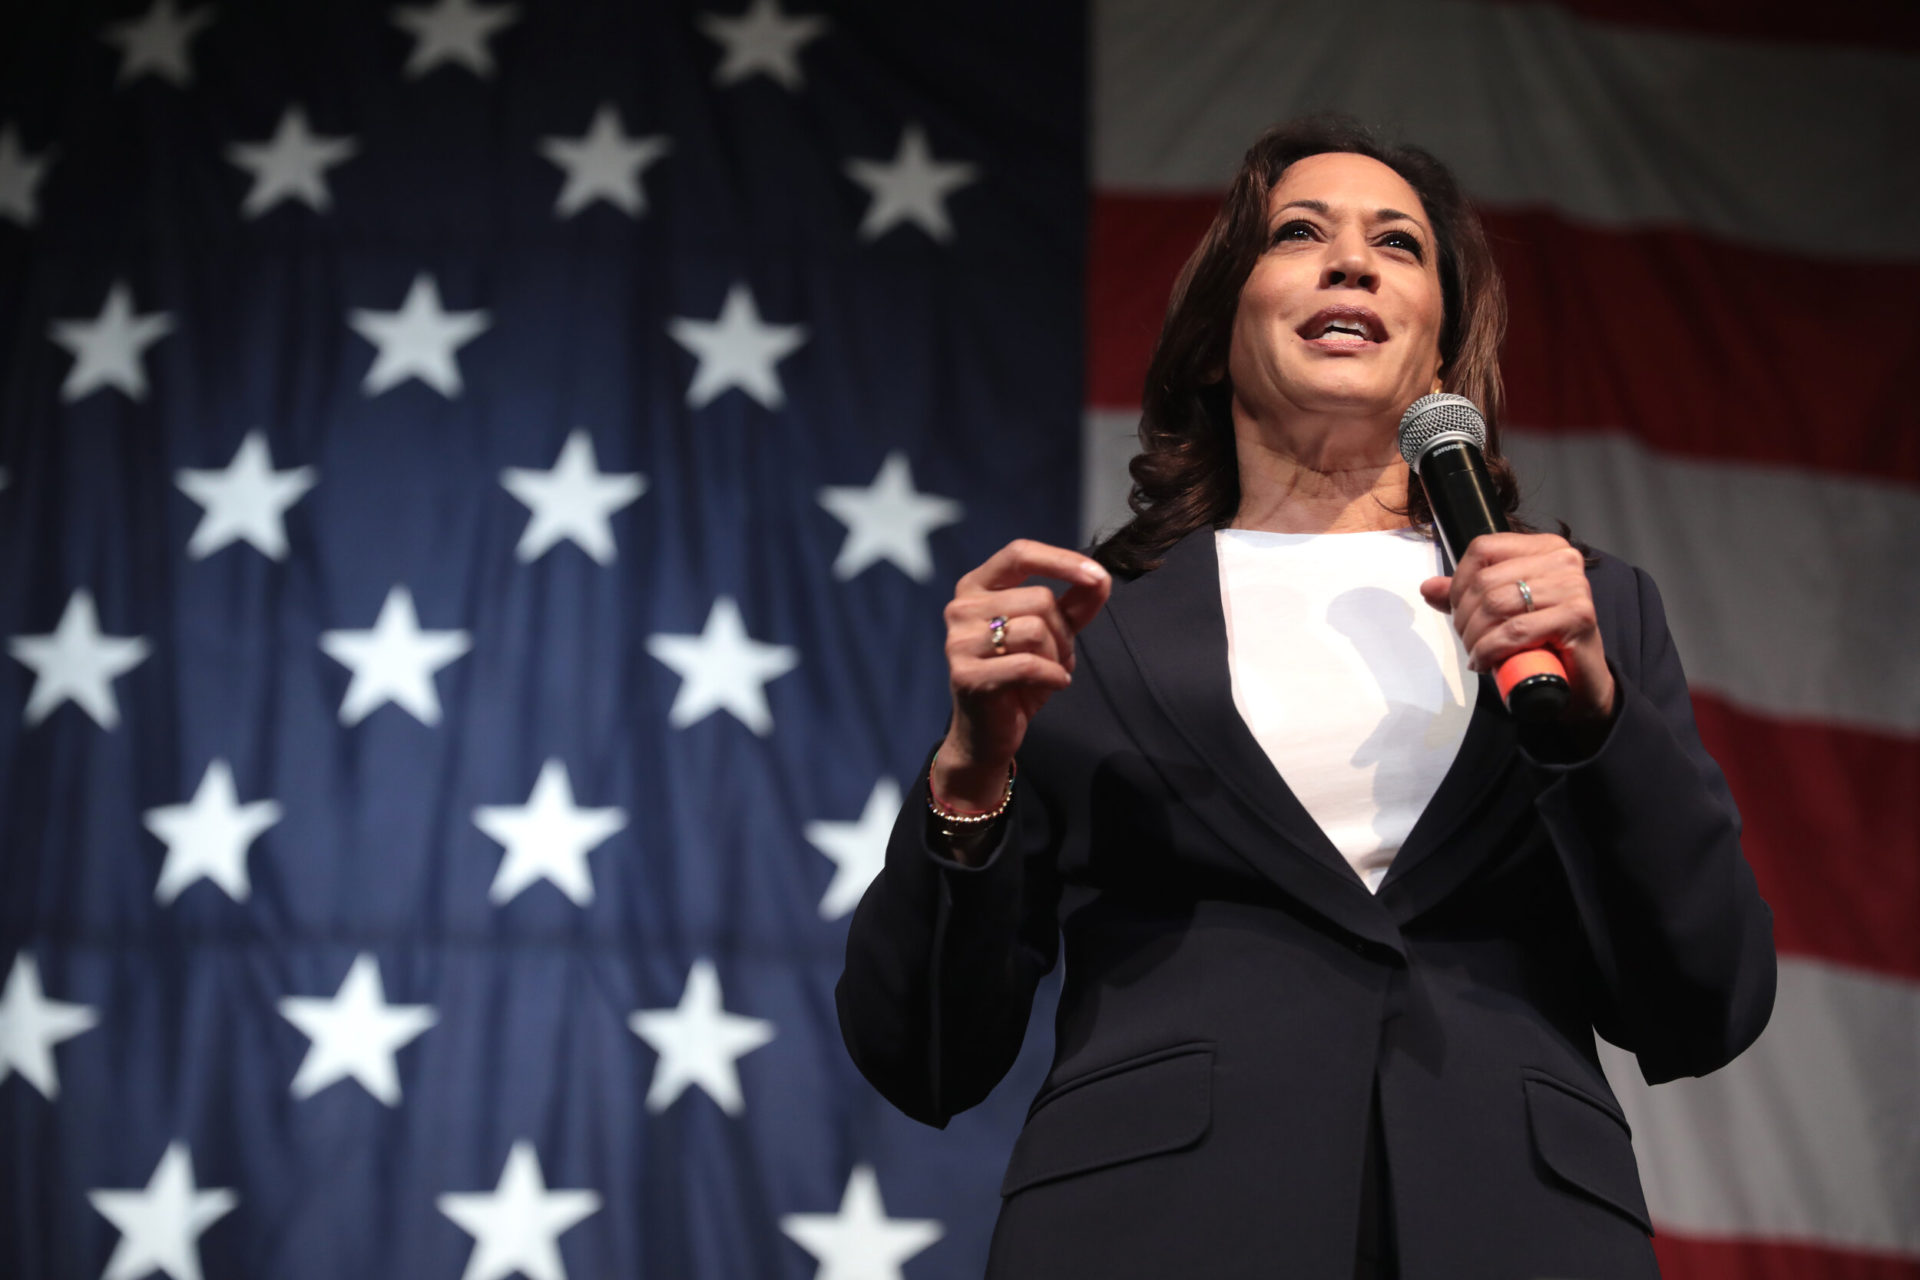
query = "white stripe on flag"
{"x": 1812, "y": 1135}
{"x": 1789, "y": 592}
{"x": 1762, "y": 142}
{"x": 1108, "y": 440}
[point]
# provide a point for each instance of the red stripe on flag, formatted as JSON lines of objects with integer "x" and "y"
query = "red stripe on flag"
{"x": 1685, "y": 1258}
{"x": 1891, "y": 25}
{"x": 1135, "y": 247}
{"x": 1711, "y": 350}
{"x": 1832, "y": 830}
{"x": 1698, "y": 347}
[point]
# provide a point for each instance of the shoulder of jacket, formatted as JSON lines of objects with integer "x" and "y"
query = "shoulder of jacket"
{"x": 1623, "y": 597}
{"x": 1607, "y": 571}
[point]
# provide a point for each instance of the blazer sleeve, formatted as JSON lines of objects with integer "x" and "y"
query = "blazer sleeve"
{"x": 943, "y": 958}
{"x": 1649, "y": 838}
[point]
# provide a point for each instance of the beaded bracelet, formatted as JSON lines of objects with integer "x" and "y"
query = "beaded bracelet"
{"x": 961, "y": 823}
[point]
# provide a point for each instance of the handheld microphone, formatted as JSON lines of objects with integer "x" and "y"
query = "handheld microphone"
{"x": 1441, "y": 437}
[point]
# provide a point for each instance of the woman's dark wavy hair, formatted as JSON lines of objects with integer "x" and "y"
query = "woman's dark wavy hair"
{"x": 1187, "y": 473}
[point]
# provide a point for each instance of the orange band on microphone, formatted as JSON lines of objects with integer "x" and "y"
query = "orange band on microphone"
{"x": 1534, "y": 662}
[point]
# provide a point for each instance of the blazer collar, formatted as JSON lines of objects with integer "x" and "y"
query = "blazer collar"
{"x": 1174, "y": 631}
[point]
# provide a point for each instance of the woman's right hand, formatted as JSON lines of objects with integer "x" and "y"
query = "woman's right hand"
{"x": 995, "y": 695}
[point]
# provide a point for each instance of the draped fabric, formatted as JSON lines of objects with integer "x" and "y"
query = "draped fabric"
{"x": 477, "y": 486}
{"x": 1705, "y": 217}
{"x": 481, "y": 483}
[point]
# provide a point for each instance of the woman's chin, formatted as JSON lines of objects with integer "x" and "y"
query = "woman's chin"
{"x": 1354, "y": 397}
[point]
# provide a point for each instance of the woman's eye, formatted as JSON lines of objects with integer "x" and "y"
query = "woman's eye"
{"x": 1292, "y": 231}
{"x": 1401, "y": 240}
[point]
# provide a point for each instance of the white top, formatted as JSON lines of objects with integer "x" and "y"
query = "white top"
{"x": 1357, "y": 690}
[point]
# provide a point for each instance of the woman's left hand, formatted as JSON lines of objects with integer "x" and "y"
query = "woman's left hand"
{"x": 1490, "y": 611}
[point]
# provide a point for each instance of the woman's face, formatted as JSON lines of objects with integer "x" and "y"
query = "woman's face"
{"x": 1341, "y": 315}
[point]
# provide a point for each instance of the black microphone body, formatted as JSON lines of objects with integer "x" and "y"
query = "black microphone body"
{"x": 1460, "y": 491}
{"x": 1439, "y": 437}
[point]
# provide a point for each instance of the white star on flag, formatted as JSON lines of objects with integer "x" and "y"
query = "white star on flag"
{"x": 762, "y": 41}
{"x": 517, "y": 1226}
{"x": 860, "y": 1242}
{"x": 913, "y": 188}
{"x": 160, "y": 1227}
{"x": 245, "y": 502}
{"x": 887, "y": 520}
{"x": 699, "y": 1043}
{"x": 572, "y": 501}
{"x": 107, "y": 349}
{"x": 858, "y": 849}
{"x": 394, "y": 661}
{"x": 20, "y": 176}
{"x": 723, "y": 669}
{"x": 157, "y": 42}
{"x": 454, "y": 31}
{"x": 737, "y": 349}
{"x": 31, "y": 1024}
{"x": 75, "y": 661}
{"x": 547, "y": 838}
{"x": 291, "y": 165}
{"x": 418, "y": 340}
{"x": 604, "y": 164}
{"x": 208, "y": 837}
{"x": 355, "y": 1034}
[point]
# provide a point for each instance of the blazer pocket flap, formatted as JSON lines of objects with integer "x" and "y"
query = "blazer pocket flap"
{"x": 1589, "y": 1147}
{"x": 1141, "y": 1107}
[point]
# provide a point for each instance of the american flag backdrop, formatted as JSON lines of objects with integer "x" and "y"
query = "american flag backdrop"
{"x": 477, "y": 487}
{"x": 482, "y": 481}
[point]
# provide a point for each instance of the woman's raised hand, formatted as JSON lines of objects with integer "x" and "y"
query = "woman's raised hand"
{"x": 997, "y": 688}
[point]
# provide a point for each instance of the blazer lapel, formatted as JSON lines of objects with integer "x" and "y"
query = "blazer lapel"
{"x": 1173, "y": 634}
{"x": 1417, "y": 878}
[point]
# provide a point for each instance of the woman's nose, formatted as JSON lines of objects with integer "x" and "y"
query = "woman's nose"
{"x": 1350, "y": 263}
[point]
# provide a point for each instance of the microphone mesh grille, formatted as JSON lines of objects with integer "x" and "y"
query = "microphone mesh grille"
{"x": 1441, "y": 413}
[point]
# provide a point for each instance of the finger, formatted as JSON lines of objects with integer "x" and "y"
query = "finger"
{"x": 1552, "y": 575}
{"x": 1024, "y": 558}
{"x": 1560, "y": 628}
{"x": 970, "y": 616}
{"x": 1072, "y": 609}
{"x": 1496, "y": 595}
{"x": 1024, "y": 634}
{"x": 1497, "y": 548}
{"x": 1484, "y": 610}
{"x": 1438, "y": 593}
{"x": 977, "y": 676}
{"x": 1010, "y": 601}
{"x": 1083, "y": 600}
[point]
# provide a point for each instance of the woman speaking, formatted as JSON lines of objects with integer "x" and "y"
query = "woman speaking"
{"x": 1339, "y": 930}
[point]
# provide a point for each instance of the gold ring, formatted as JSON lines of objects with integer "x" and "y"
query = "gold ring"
{"x": 997, "y": 632}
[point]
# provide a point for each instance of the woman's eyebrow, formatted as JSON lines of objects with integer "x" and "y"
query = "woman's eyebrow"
{"x": 1379, "y": 215}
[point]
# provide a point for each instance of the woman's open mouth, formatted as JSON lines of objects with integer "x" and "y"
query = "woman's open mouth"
{"x": 1343, "y": 329}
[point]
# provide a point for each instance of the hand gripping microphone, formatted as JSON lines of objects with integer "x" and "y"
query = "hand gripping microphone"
{"x": 1441, "y": 436}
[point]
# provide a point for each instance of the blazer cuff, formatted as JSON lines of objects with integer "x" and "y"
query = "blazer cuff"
{"x": 1557, "y": 748}
{"x": 918, "y": 854}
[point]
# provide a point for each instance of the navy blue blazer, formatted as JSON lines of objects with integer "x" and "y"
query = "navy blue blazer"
{"x": 1233, "y": 993}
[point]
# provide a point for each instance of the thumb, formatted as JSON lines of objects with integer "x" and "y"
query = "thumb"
{"x": 1435, "y": 592}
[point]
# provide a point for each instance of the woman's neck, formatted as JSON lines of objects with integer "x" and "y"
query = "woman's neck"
{"x": 1329, "y": 481}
